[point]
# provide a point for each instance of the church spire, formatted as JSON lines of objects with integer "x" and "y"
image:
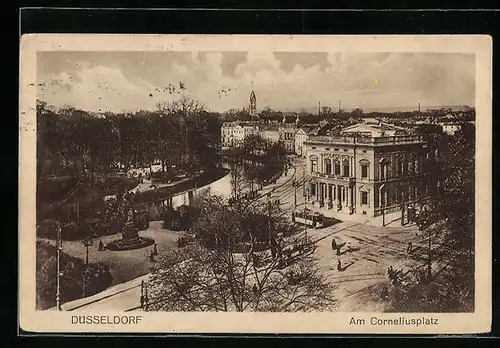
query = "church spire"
{"x": 297, "y": 120}
{"x": 253, "y": 104}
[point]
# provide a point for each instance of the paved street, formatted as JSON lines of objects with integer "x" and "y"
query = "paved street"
{"x": 368, "y": 252}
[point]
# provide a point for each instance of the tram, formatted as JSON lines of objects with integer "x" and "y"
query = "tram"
{"x": 308, "y": 217}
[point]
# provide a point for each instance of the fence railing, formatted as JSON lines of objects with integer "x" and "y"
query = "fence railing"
{"x": 399, "y": 139}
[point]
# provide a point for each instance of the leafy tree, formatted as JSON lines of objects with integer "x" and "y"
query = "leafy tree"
{"x": 450, "y": 219}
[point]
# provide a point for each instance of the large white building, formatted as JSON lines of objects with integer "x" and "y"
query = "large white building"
{"x": 450, "y": 127}
{"x": 301, "y": 136}
{"x": 367, "y": 170}
{"x": 233, "y": 134}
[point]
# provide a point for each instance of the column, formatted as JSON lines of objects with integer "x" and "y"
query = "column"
{"x": 309, "y": 193}
{"x": 351, "y": 166}
{"x": 329, "y": 192}
{"x": 351, "y": 198}
{"x": 348, "y": 198}
{"x": 339, "y": 197}
{"x": 321, "y": 194}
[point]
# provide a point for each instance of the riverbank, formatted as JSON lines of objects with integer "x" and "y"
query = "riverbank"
{"x": 160, "y": 193}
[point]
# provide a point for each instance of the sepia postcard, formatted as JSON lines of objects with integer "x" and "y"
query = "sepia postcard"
{"x": 255, "y": 184}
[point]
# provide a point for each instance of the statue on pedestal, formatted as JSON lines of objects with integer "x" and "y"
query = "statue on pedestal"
{"x": 130, "y": 232}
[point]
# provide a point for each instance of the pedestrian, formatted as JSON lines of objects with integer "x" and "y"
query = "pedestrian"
{"x": 101, "y": 245}
{"x": 152, "y": 256}
{"x": 339, "y": 266}
{"x": 334, "y": 244}
{"x": 390, "y": 273}
{"x": 410, "y": 248}
{"x": 254, "y": 290}
{"x": 385, "y": 292}
{"x": 155, "y": 250}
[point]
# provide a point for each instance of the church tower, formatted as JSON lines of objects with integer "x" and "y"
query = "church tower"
{"x": 252, "y": 109}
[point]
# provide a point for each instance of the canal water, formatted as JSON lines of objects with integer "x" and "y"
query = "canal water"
{"x": 221, "y": 187}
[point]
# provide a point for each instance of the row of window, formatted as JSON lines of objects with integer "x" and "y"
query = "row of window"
{"x": 403, "y": 168}
{"x": 385, "y": 199}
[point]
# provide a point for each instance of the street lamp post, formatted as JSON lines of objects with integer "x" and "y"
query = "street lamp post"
{"x": 402, "y": 207}
{"x": 269, "y": 217}
{"x": 429, "y": 261}
{"x": 295, "y": 193}
{"x": 87, "y": 243}
{"x": 58, "y": 276}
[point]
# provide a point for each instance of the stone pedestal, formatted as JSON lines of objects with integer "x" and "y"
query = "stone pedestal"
{"x": 130, "y": 235}
{"x": 130, "y": 239}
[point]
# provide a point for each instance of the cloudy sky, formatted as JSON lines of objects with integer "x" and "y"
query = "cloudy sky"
{"x": 121, "y": 81}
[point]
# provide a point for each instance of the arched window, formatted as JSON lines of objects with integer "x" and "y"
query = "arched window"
{"x": 383, "y": 165}
{"x": 345, "y": 165}
{"x": 328, "y": 166}
{"x": 337, "y": 167}
{"x": 314, "y": 163}
{"x": 365, "y": 168}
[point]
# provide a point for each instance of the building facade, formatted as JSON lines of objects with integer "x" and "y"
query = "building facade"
{"x": 300, "y": 138}
{"x": 449, "y": 127}
{"x": 227, "y": 134}
{"x": 233, "y": 134}
{"x": 287, "y": 136}
{"x": 366, "y": 172}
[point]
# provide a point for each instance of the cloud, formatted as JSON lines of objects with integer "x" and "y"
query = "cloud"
{"x": 94, "y": 88}
{"x": 222, "y": 80}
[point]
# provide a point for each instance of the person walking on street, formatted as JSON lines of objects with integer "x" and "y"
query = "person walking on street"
{"x": 385, "y": 292}
{"x": 410, "y": 248}
{"x": 334, "y": 245}
{"x": 339, "y": 266}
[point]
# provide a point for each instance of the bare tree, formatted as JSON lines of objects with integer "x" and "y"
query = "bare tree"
{"x": 237, "y": 179}
{"x": 238, "y": 264}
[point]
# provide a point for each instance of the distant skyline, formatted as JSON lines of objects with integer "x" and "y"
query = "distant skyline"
{"x": 128, "y": 81}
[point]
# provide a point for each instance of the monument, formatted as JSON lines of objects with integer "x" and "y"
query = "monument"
{"x": 130, "y": 236}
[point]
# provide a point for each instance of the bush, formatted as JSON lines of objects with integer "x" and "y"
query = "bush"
{"x": 72, "y": 231}
{"x": 170, "y": 218}
{"x": 71, "y": 281}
